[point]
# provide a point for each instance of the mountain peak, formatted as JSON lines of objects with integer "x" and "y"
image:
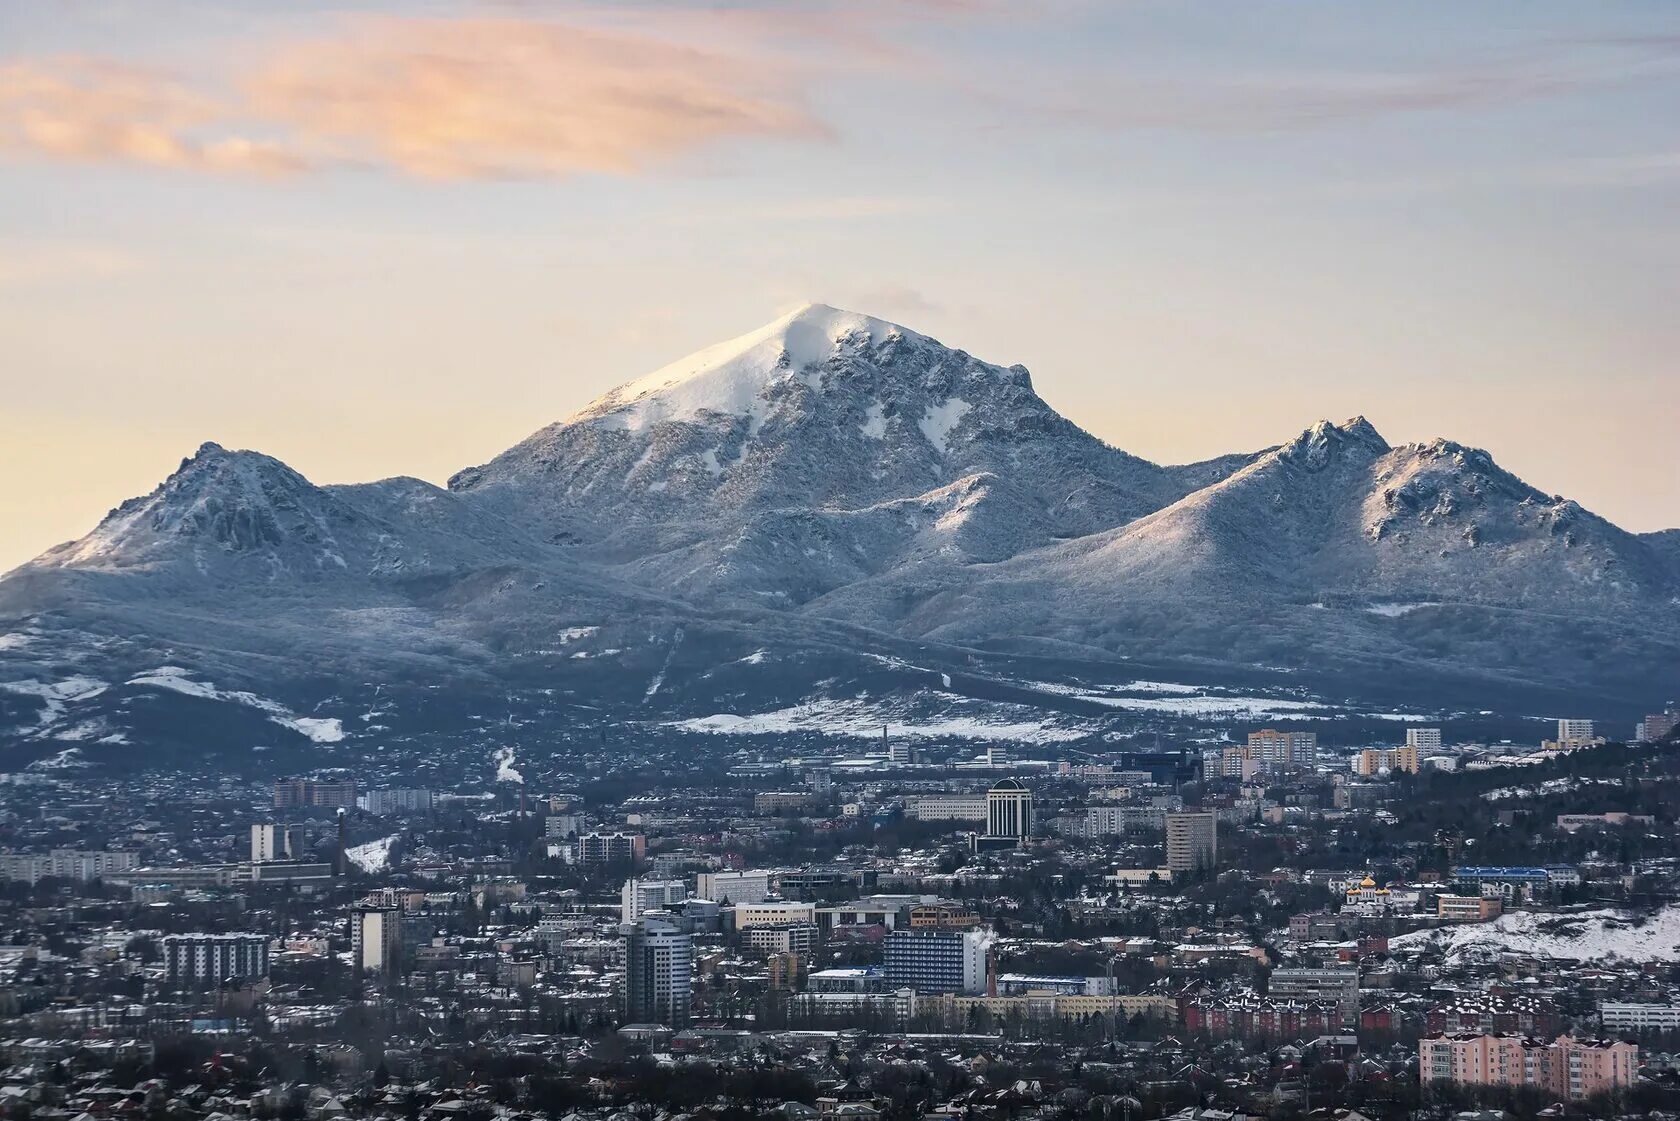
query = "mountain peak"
{"x": 732, "y": 377}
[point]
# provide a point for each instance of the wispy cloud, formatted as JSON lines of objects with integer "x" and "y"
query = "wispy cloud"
{"x": 462, "y": 98}
{"x": 94, "y": 110}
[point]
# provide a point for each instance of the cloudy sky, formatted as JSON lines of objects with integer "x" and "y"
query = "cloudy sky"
{"x": 394, "y": 238}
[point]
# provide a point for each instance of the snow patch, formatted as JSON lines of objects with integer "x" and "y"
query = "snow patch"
{"x": 936, "y": 424}
{"x": 374, "y": 856}
{"x": 1599, "y": 935}
{"x": 874, "y": 426}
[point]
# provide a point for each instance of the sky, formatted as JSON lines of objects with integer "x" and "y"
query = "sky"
{"x": 377, "y": 239}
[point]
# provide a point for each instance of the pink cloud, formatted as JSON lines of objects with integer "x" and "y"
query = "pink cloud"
{"x": 464, "y": 99}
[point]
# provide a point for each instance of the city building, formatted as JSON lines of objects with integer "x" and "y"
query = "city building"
{"x": 1617, "y": 1016}
{"x": 1192, "y": 840}
{"x": 212, "y": 959}
{"x": 937, "y": 960}
{"x": 1570, "y": 823}
{"x": 732, "y": 887}
{"x": 1104, "y": 821}
{"x": 1339, "y": 987}
{"x": 773, "y": 912}
{"x": 272, "y": 842}
{"x": 1657, "y": 725}
{"x": 1572, "y": 735}
{"x": 303, "y": 793}
{"x": 1009, "y": 806}
{"x": 640, "y": 896}
{"x": 376, "y": 939}
{"x": 611, "y": 848}
{"x": 1467, "y": 908}
{"x": 1234, "y": 760}
{"x": 406, "y": 800}
{"x": 1284, "y": 749}
{"x": 658, "y": 970}
{"x": 1423, "y": 740}
{"x": 947, "y": 807}
{"x": 792, "y": 938}
{"x": 1380, "y": 760}
{"x": 65, "y": 864}
{"x": 1567, "y": 1067}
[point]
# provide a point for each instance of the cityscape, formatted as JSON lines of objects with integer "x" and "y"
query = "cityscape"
{"x": 1272, "y": 927}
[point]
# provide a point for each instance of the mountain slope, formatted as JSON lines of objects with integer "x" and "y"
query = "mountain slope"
{"x": 1335, "y": 546}
{"x": 822, "y": 414}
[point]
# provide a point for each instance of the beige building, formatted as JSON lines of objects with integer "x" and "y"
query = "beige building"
{"x": 1192, "y": 840}
{"x": 1376, "y": 760}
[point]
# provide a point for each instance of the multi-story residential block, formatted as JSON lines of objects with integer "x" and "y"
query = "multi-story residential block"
{"x": 1657, "y": 725}
{"x": 274, "y": 841}
{"x": 1567, "y": 1067}
{"x": 658, "y": 970}
{"x": 1517, "y": 1014}
{"x": 935, "y": 960}
{"x": 1104, "y": 821}
{"x": 1285, "y": 749}
{"x": 376, "y": 940}
{"x": 793, "y": 938}
{"x": 1192, "y": 840}
{"x": 1423, "y": 740}
{"x": 211, "y": 959}
{"x": 65, "y": 864}
{"x": 1332, "y": 986}
{"x": 1380, "y": 760}
{"x": 770, "y": 801}
{"x": 405, "y": 800}
{"x": 1255, "y": 1017}
{"x": 611, "y": 848}
{"x": 301, "y": 793}
{"x": 1618, "y": 1016}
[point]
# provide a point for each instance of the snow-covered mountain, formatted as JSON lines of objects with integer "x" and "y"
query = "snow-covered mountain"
{"x": 820, "y": 502}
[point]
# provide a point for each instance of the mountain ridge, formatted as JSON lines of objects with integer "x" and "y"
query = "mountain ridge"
{"x": 841, "y": 485}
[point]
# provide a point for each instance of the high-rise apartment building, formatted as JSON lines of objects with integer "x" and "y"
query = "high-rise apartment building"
{"x": 1377, "y": 760}
{"x": 274, "y": 841}
{"x": 938, "y": 960}
{"x": 1657, "y": 725}
{"x": 404, "y": 800}
{"x": 640, "y": 896}
{"x": 301, "y": 793}
{"x": 658, "y": 970}
{"x": 376, "y": 939}
{"x": 1332, "y": 986}
{"x": 1423, "y": 740}
{"x": 1192, "y": 841}
{"x": 1284, "y": 749}
{"x": 211, "y": 959}
{"x": 65, "y": 864}
{"x": 1009, "y": 806}
{"x": 611, "y": 848}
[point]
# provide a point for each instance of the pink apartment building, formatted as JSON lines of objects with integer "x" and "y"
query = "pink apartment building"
{"x": 1570, "y": 1068}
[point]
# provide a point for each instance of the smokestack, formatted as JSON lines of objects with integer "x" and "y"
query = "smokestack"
{"x": 341, "y": 859}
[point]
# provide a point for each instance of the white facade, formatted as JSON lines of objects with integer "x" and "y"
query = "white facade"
{"x": 639, "y": 896}
{"x": 658, "y": 971}
{"x": 736, "y": 887}
{"x": 946, "y": 807}
{"x": 774, "y": 913}
{"x": 376, "y": 939}
{"x": 1424, "y": 739}
{"x": 271, "y": 842}
{"x": 1617, "y": 1016}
